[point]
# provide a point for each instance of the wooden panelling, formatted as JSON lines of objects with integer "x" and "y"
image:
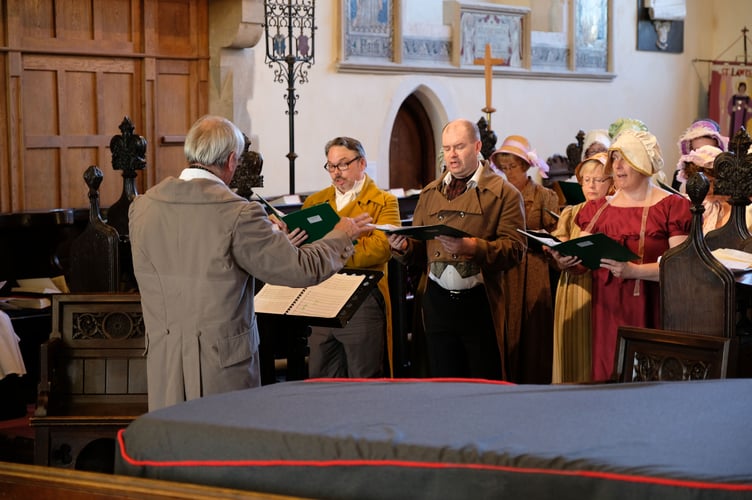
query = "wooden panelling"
{"x": 5, "y": 175}
{"x": 117, "y": 376}
{"x": 75, "y": 105}
{"x": 74, "y": 70}
{"x": 40, "y": 184}
{"x": 173, "y": 113}
{"x": 37, "y": 19}
{"x": 75, "y": 19}
{"x": 175, "y": 28}
{"x": 136, "y": 378}
{"x": 115, "y": 20}
{"x": 78, "y": 25}
{"x": 95, "y": 376}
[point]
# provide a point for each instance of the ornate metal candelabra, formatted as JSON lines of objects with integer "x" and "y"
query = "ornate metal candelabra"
{"x": 289, "y": 43}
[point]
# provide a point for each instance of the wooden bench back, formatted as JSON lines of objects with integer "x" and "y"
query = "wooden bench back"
{"x": 647, "y": 354}
{"x": 94, "y": 362}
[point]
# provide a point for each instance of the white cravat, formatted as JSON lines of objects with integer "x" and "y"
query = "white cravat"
{"x": 343, "y": 199}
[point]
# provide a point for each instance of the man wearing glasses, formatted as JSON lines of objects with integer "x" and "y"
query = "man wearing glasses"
{"x": 357, "y": 350}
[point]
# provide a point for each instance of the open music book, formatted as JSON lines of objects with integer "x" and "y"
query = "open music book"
{"x": 24, "y": 302}
{"x": 335, "y": 298}
{"x": 736, "y": 260}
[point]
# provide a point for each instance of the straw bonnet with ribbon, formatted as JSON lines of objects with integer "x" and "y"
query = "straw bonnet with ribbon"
{"x": 640, "y": 149}
{"x": 600, "y": 158}
{"x": 519, "y": 146}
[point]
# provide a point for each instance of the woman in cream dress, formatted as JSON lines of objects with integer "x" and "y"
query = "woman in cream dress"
{"x": 572, "y": 359}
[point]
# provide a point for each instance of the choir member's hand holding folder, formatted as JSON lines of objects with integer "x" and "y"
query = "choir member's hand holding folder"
{"x": 421, "y": 232}
{"x": 590, "y": 249}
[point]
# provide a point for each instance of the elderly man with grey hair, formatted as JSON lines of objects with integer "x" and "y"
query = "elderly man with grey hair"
{"x": 196, "y": 248}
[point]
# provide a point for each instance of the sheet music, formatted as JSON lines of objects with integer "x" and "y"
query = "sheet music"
{"x": 275, "y": 299}
{"x": 324, "y": 300}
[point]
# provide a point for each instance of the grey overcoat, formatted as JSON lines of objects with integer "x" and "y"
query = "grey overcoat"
{"x": 196, "y": 247}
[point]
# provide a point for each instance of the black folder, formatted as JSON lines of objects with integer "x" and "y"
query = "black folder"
{"x": 424, "y": 232}
{"x": 572, "y": 192}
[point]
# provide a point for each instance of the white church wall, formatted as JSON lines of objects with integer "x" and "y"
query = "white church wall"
{"x": 664, "y": 90}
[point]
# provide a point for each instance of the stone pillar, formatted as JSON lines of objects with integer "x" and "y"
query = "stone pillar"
{"x": 234, "y": 27}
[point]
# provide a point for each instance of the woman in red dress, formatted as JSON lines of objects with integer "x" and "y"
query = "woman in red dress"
{"x": 646, "y": 219}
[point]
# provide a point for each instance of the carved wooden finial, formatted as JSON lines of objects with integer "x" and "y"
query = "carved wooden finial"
{"x": 488, "y": 138}
{"x": 574, "y": 151}
{"x": 128, "y": 150}
{"x": 697, "y": 188}
{"x": 93, "y": 178}
{"x": 248, "y": 174}
{"x": 733, "y": 169}
{"x": 129, "y": 156}
{"x": 733, "y": 178}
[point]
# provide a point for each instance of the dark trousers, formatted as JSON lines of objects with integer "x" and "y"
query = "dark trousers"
{"x": 460, "y": 335}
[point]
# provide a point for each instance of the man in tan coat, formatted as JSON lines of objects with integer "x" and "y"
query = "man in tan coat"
{"x": 463, "y": 306}
{"x": 196, "y": 248}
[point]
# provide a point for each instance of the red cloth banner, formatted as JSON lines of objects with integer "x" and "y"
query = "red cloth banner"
{"x": 724, "y": 106}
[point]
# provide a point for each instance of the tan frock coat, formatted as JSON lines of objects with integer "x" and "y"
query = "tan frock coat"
{"x": 491, "y": 212}
{"x": 196, "y": 248}
{"x": 529, "y": 307}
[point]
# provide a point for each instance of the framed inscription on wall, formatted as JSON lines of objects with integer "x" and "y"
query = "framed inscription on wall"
{"x": 506, "y": 29}
{"x": 544, "y": 39}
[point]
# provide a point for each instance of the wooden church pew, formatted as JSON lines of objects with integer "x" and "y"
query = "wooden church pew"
{"x": 92, "y": 380}
{"x": 21, "y": 482}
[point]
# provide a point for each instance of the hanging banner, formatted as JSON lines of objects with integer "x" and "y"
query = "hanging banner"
{"x": 729, "y": 100}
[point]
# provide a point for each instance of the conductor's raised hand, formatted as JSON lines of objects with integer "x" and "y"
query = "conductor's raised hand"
{"x": 356, "y": 226}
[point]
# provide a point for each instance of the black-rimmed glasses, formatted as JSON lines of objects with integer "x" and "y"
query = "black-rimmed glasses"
{"x": 341, "y": 166}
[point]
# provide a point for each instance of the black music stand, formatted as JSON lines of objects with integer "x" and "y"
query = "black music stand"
{"x": 292, "y": 332}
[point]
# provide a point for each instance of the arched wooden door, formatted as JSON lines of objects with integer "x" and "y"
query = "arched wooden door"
{"x": 412, "y": 151}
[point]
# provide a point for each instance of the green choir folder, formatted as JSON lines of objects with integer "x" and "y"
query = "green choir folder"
{"x": 590, "y": 249}
{"x": 316, "y": 220}
{"x": 422, "y": 232}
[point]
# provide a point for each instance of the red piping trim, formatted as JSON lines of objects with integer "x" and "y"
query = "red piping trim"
{"x": 421, "y": 380}
{"x": 680, "y": 483}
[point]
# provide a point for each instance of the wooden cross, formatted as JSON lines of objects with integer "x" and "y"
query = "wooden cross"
{"x": 488, "y": 62}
